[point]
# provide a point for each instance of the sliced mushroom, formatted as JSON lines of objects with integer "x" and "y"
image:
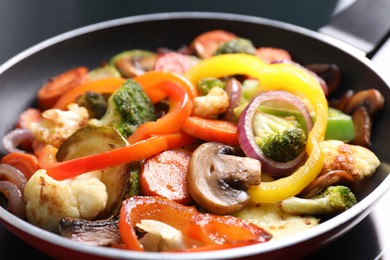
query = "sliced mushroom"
{"x": 218, "y": 180}
{"x": 372, "y": 99}
{"x": 363, "y": 125}
{"x": 96, "y": 233}
{"x": 330, "y": 73}
{"x": 327, "y": 179}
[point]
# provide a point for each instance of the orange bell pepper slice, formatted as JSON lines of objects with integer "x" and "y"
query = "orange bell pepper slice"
{"x": 179, "y": 110}
{"x": 147, "y": 80}
{"x": 148, "y": 139}
{"x": 108, "y": 85}
{"x": 209, "y": 231}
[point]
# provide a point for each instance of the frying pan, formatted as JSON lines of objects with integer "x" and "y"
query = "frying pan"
{"x": 21, "y": 76}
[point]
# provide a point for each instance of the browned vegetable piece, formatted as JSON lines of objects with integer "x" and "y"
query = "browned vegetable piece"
{"x": 90, "y": 140}
{"x": 362, "y": 124}
{"x": 132, "y": 67}
{"x": 330, "y": 73}
{"x": 372, "y": 99}
{"x": 343, "y": 101}
{"x": 326, "y": 179}
{"x": 363, "y": 106}
{"x": 218, "y": 180}
{"x": 96, "y": 233}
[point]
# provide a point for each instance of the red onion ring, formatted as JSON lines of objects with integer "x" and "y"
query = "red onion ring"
{"x": 246, "y": 137}
{"x": 15, "y": 203}
{"x": 15, "y": 137}
{"x": 13, "y": 175}
{"x": 233, "y": 89}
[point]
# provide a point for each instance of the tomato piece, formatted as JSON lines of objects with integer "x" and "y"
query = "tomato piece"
{"x": 207, "y": 43}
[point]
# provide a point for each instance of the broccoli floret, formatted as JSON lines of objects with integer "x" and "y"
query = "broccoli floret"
{"x": 280, "y": 138}
{"x": 206, "y": 84}
{"x": 128, "y": 107}
{"x": 238, "y": 45}
{"x": 332, "y": 200}
{"x": 94, "y": 102}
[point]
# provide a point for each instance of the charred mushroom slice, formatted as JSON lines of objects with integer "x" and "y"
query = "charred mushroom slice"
{"x": 218, "y": 180}
{"x": 96, "y": 233}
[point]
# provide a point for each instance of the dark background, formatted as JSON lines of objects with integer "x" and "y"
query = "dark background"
{"x": 24, "y": 23}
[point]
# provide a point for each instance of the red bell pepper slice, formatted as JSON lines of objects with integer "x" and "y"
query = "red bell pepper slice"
{"x": 140, "y": 150}
{"x": 209, "y": 231}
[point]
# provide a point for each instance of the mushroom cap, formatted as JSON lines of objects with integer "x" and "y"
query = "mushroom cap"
{"x": 218, "y": 180}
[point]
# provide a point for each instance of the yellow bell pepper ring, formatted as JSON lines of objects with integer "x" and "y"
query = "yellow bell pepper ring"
{"x": 286, "y": 77}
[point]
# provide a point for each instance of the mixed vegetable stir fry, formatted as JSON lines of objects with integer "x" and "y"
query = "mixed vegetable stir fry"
{"x": 216, "y": 145}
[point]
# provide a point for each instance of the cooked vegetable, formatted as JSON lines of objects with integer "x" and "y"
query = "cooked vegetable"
{"x": 51, "y": 91}
{"x": 111, "y": 184}
{"x": 94, "y": 102}
{"x": 16, "y": 138}
{"x": 149, "y": 139}
{"x": 234, "y": 90}
{"x": 205, "y": 44}
{"x": 275, "y": 221}
{"x": 333, "y": 200}
{"x": 57, "y": 125}
{"x": 102, "y": 86}
{"x": 130, "y": 153}
{"x": 271, "y": 55}
{"x": 211, "y": 105}
{"x": 96, "y": 233}
{"x": 280, "y": 138}
{"x": 132, "y": 63}
{"x": 335, "y": 177}
{"x": 26, "y": 163}
{"x": 356, "y": 160}
{"x": 174, "y": 62}
{"x": 102, "y": 72}
{"x": 218, "y": 180}
{"x": 27, "y": 116}
{"x": 48, "y": 200}
{"x": 206, "y": 84}
{"x": 128, "y": 107}
{"x": 8, "y": 173}
{"x": 277, "y": 76}
{"x": 91, "y": 140}
{"x": 211, "y": 130}
{"x": 340, "y": 126}
{"x": 270, "y": 138}
{"x": 176, "y": 89}
{"x": 330, "y": 73}
{"x": 165, "y": 175}
{"x": 199, "y": 231}
{"x": 238, "y": 45}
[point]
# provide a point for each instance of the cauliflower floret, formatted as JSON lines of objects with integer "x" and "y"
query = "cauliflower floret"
{"x": 48, "y": 200}
{"x": 356, "y": 160}
{"x": 57, "y": 125}
{"x": 212, "y": 104}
